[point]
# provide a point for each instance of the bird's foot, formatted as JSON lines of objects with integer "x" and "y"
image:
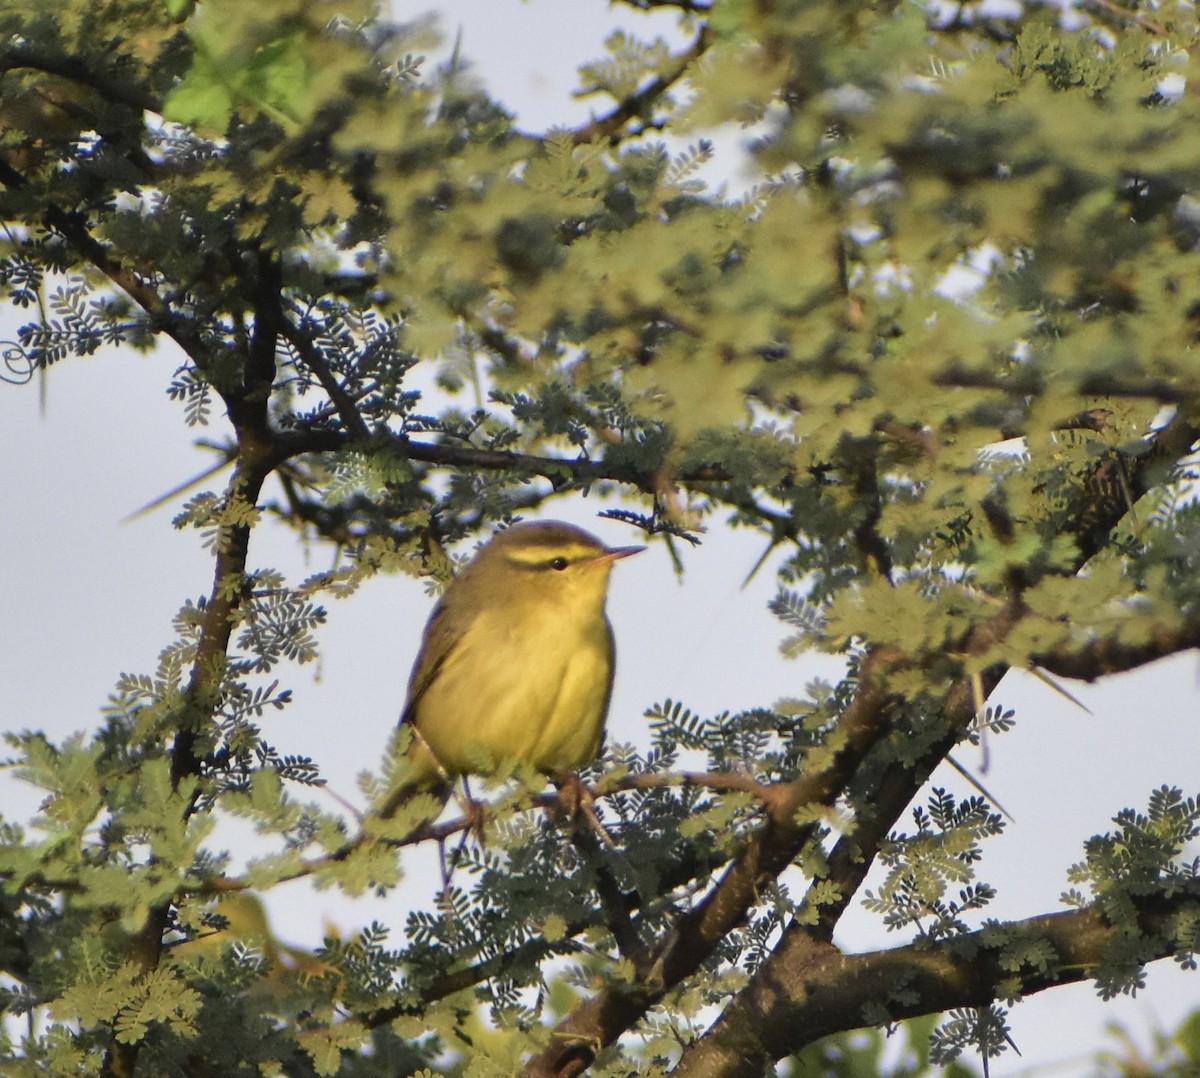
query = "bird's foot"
{"x": 577, "y": 802}
{"x": 477, "y": 813}
{"x": 573, "y": 793}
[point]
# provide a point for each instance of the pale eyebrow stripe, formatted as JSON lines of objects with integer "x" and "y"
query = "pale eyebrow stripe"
{"x": 535, "y": 555}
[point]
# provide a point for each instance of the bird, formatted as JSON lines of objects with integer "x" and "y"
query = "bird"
{"x": 516, "y": 662}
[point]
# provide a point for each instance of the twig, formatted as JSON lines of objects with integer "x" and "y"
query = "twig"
{"x": 349, "y": 414}
{"x": 609, "y": 125}
{"x": 1149, "y": 25}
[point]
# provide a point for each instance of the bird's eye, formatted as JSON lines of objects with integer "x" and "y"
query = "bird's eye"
{"x": 559, "y": 564}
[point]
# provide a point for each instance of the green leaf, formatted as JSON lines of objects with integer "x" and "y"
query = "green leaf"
{"x": 179, "y": 10}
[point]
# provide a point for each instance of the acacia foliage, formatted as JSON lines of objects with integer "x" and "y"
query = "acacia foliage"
{"x": 316, "y": 231}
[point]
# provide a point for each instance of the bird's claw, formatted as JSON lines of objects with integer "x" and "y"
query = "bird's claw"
{"x": 576, "y": 801}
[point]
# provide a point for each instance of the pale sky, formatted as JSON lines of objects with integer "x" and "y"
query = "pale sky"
{"x": 85, "y": 597}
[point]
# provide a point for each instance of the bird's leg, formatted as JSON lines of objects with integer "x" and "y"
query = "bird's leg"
{"x": 475, "y": 811}
{"x": 447, "y": 865}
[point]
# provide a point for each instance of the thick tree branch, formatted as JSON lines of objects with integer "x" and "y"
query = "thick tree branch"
{"x": 866, "y": 721}
{"x": 1110, "y": 655}
{"x": 203, "y": 690}
{"x": 803, "y": 945}
{"x": 248, "y": 410}
{"x": 816, "y": 990}
{"x": 16, "y": 57}
{"x": 681, "y": 5}
{"x": 1123, "y": 15}
{"x": 1032, "y": 382}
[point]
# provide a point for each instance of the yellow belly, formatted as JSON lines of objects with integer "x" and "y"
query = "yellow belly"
{"x": 496, "y": 698}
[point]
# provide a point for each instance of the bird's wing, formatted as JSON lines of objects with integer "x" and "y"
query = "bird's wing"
{"x": 440, "y": 638}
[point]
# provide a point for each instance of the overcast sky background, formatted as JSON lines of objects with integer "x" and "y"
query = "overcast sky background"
{"x": 84, "y": 597}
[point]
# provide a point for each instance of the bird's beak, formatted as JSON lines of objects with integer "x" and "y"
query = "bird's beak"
{"x": 616, "y": 553}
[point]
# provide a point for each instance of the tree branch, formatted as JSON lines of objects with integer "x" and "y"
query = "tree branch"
{"x": 76, "y": 69}
{"x": 560, "y": 471}
{"x": 1123, "y": 14}
{"x": 601, "y": 1019}
{"x": 695, "y": 6}
{"x": 200, "y": 698}
{"x": 163, "y": 317}
{"x": 866, "y": 720}
{"x": 814, "y": 989}
{"x": 550, "y": 800}
{"x": 804, "y": 943}
{"x": 1112, "y": 655}
{"x": 345, "y": 407}
{"x": 247, "y": 405}
{"x": 637, "y": 104}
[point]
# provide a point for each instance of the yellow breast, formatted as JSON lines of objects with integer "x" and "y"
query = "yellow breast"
{"x": 538, "y": 694}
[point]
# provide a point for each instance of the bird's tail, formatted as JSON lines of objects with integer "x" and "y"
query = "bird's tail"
{"x": 413, "y": 794}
